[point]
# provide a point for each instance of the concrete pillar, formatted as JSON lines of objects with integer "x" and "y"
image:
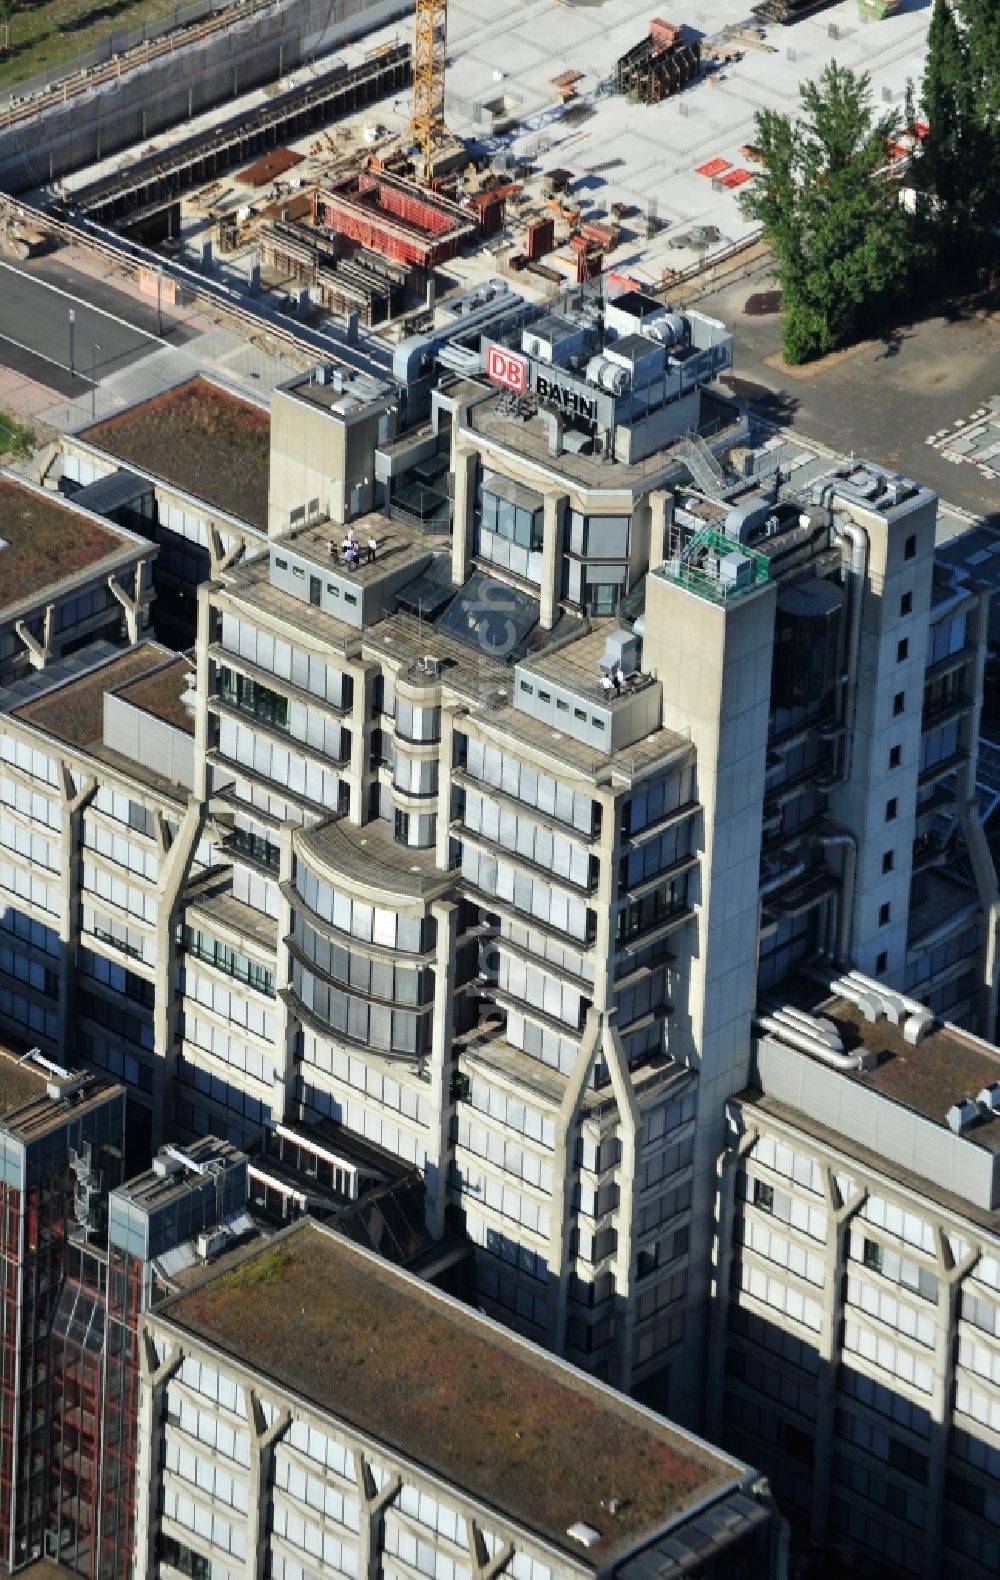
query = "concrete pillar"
{"x": 951, "y": 1275}
{"x": 133, "y": 606}
{"x": 552, "y": 534}
{"x": 39, "y": 653}
{"x": 483, "y": 1566}
{"x": 360, "y": 723}
{"x": 285, "y": 1105}
{"x": 728, "y": 1168}
{"x": 464, "y": 467}
{"x": 153, "y": 1378}
{"x": 371, "y": 1506}
{"x": 840, "y": 1212}
{"x": 262, "y": 1441}
{"x": 714, "y": 656}
{"x": 439, "y": 1124}
{"x": 629, "y": 1118}
{"x": 73, "y": 804}
{"x": 561, "y": 1220}
{"x": 175, "y": 867}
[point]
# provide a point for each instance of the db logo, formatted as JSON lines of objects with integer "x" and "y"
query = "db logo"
{"x": 506, "y": 367}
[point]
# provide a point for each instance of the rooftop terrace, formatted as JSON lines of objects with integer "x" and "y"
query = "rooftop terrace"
{"x": 207, "y": 442}
{"x": 943, "y": 1069}
{"x": 44, "y": 542}
{"x": 436, "y": 1382}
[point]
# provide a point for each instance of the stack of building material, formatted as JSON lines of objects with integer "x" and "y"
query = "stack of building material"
{"x": 659, "y": 65}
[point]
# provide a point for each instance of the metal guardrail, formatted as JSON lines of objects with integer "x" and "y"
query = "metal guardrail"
{"x": 129, "y": 258}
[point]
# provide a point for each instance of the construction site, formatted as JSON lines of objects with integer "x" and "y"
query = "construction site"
{"x": 404, "y": 164}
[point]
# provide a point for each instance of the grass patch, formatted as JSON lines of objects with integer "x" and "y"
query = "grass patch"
{"x": 16, "y": 439}
{"x": 261, "y": 1271}
{"x": 44, "y": 36}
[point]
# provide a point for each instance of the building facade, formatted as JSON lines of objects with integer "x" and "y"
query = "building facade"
{"x": 282, "y": 1457}
{"x": 856, "y": 1314}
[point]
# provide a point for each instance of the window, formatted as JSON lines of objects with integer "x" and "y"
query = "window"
{"x": 872, "y": 1256}
{"x": 888, "y": 860}
{"x": 902, "y": 649}
{"x": 891, "y": 808}
{"x": 281, "y": 564}
{"x": 350, "y": 597}
{"x": 649, "y": 1260}
{"x": 910, "y": 551}
{"x": 881, "y": 963}
{"x": 898, "y": 703}
{"x": 763, "y": 1196}
{"x": 545, "y": 696}
{"x": 895, "y": 756}
{"x": 526, "y": 688}
{"x": 905, "y": 605}
{"x": 299, "y": 570}
{"x": 884, "y": 914}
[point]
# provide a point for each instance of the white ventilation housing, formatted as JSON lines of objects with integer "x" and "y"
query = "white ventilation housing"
{"x": 960, "y": 1115}
{"x": 584, "y": 1534}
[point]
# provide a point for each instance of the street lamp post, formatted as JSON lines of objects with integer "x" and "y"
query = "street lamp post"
{"x": 93, "y": 380}
{"x": 72, "y": 339}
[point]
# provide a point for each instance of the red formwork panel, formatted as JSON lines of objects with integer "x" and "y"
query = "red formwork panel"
{"x": 714, "y": 167}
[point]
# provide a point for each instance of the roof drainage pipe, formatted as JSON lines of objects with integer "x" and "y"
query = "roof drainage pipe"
{"x": 805, "y": 1042}
{"x": 786, "y": 876}
{"x": 845, "y": 905}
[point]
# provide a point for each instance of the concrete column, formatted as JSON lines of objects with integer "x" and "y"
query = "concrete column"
{"x": 727, "y": 1168}
{"x": 262, "y": 1441}
{"x": 483, "y": 1566}
{"x": 371, "y": 1506}
{"x": 204, "y": 676}
{"x": 629, "y": 1118}
{"x": 563, "y": 1167}
{"x": 285, "y": 1106}
{"x": 153, "y": 1378}
{"x": 464, "y": 467}
{"x": 39, "y": 653}
{"x": 133, "y": 606}
{"x": 552, "y": 535}
{"x": 360, "y": 723}
{"x": 446, "y": 756}
{"x": 73, "y": 804}
{"x": 175, "y": 867}
{"x": 951, "y": 1275}
{"x": 439, "y": 1123}
{"x": 840, "y": 1213}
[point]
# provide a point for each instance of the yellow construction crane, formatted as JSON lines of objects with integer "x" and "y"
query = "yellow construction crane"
{"x": 430, "y": 47}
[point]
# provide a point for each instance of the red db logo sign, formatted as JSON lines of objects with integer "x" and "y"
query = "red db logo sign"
{"x": 506, "y": 367}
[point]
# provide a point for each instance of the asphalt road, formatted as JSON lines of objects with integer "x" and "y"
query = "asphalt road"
{"x": 36, "y": 300}
{"x": 881, "y": 401}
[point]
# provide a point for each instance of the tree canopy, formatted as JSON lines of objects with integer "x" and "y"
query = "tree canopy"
{"x": 830, "y": 216}
{"x": 960, "y": 93}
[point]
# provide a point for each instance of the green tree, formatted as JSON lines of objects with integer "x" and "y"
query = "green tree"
{"x": 6, "y": 17}
{"x": 945, "y": 165}
{"x": 982, "y": 43}
{"x": 830, "y": 216}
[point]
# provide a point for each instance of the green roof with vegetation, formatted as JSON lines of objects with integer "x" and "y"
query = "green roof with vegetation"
{"x": 425, "y": 1376}
{"x": 46, "y": 542}
{"x": 205, "y": 441}
{"x": 75, "y": 712}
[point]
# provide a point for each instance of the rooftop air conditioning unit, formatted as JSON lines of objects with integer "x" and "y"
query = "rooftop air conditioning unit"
{"x": 432, "y": 665}
{"x": 988, "y": 1099}
{"x": 210, "y": 1243}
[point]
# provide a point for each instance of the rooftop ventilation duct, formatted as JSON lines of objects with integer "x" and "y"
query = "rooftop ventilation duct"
{"x": 961, "y": 1115}
{"x": 988, "y": 1099}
